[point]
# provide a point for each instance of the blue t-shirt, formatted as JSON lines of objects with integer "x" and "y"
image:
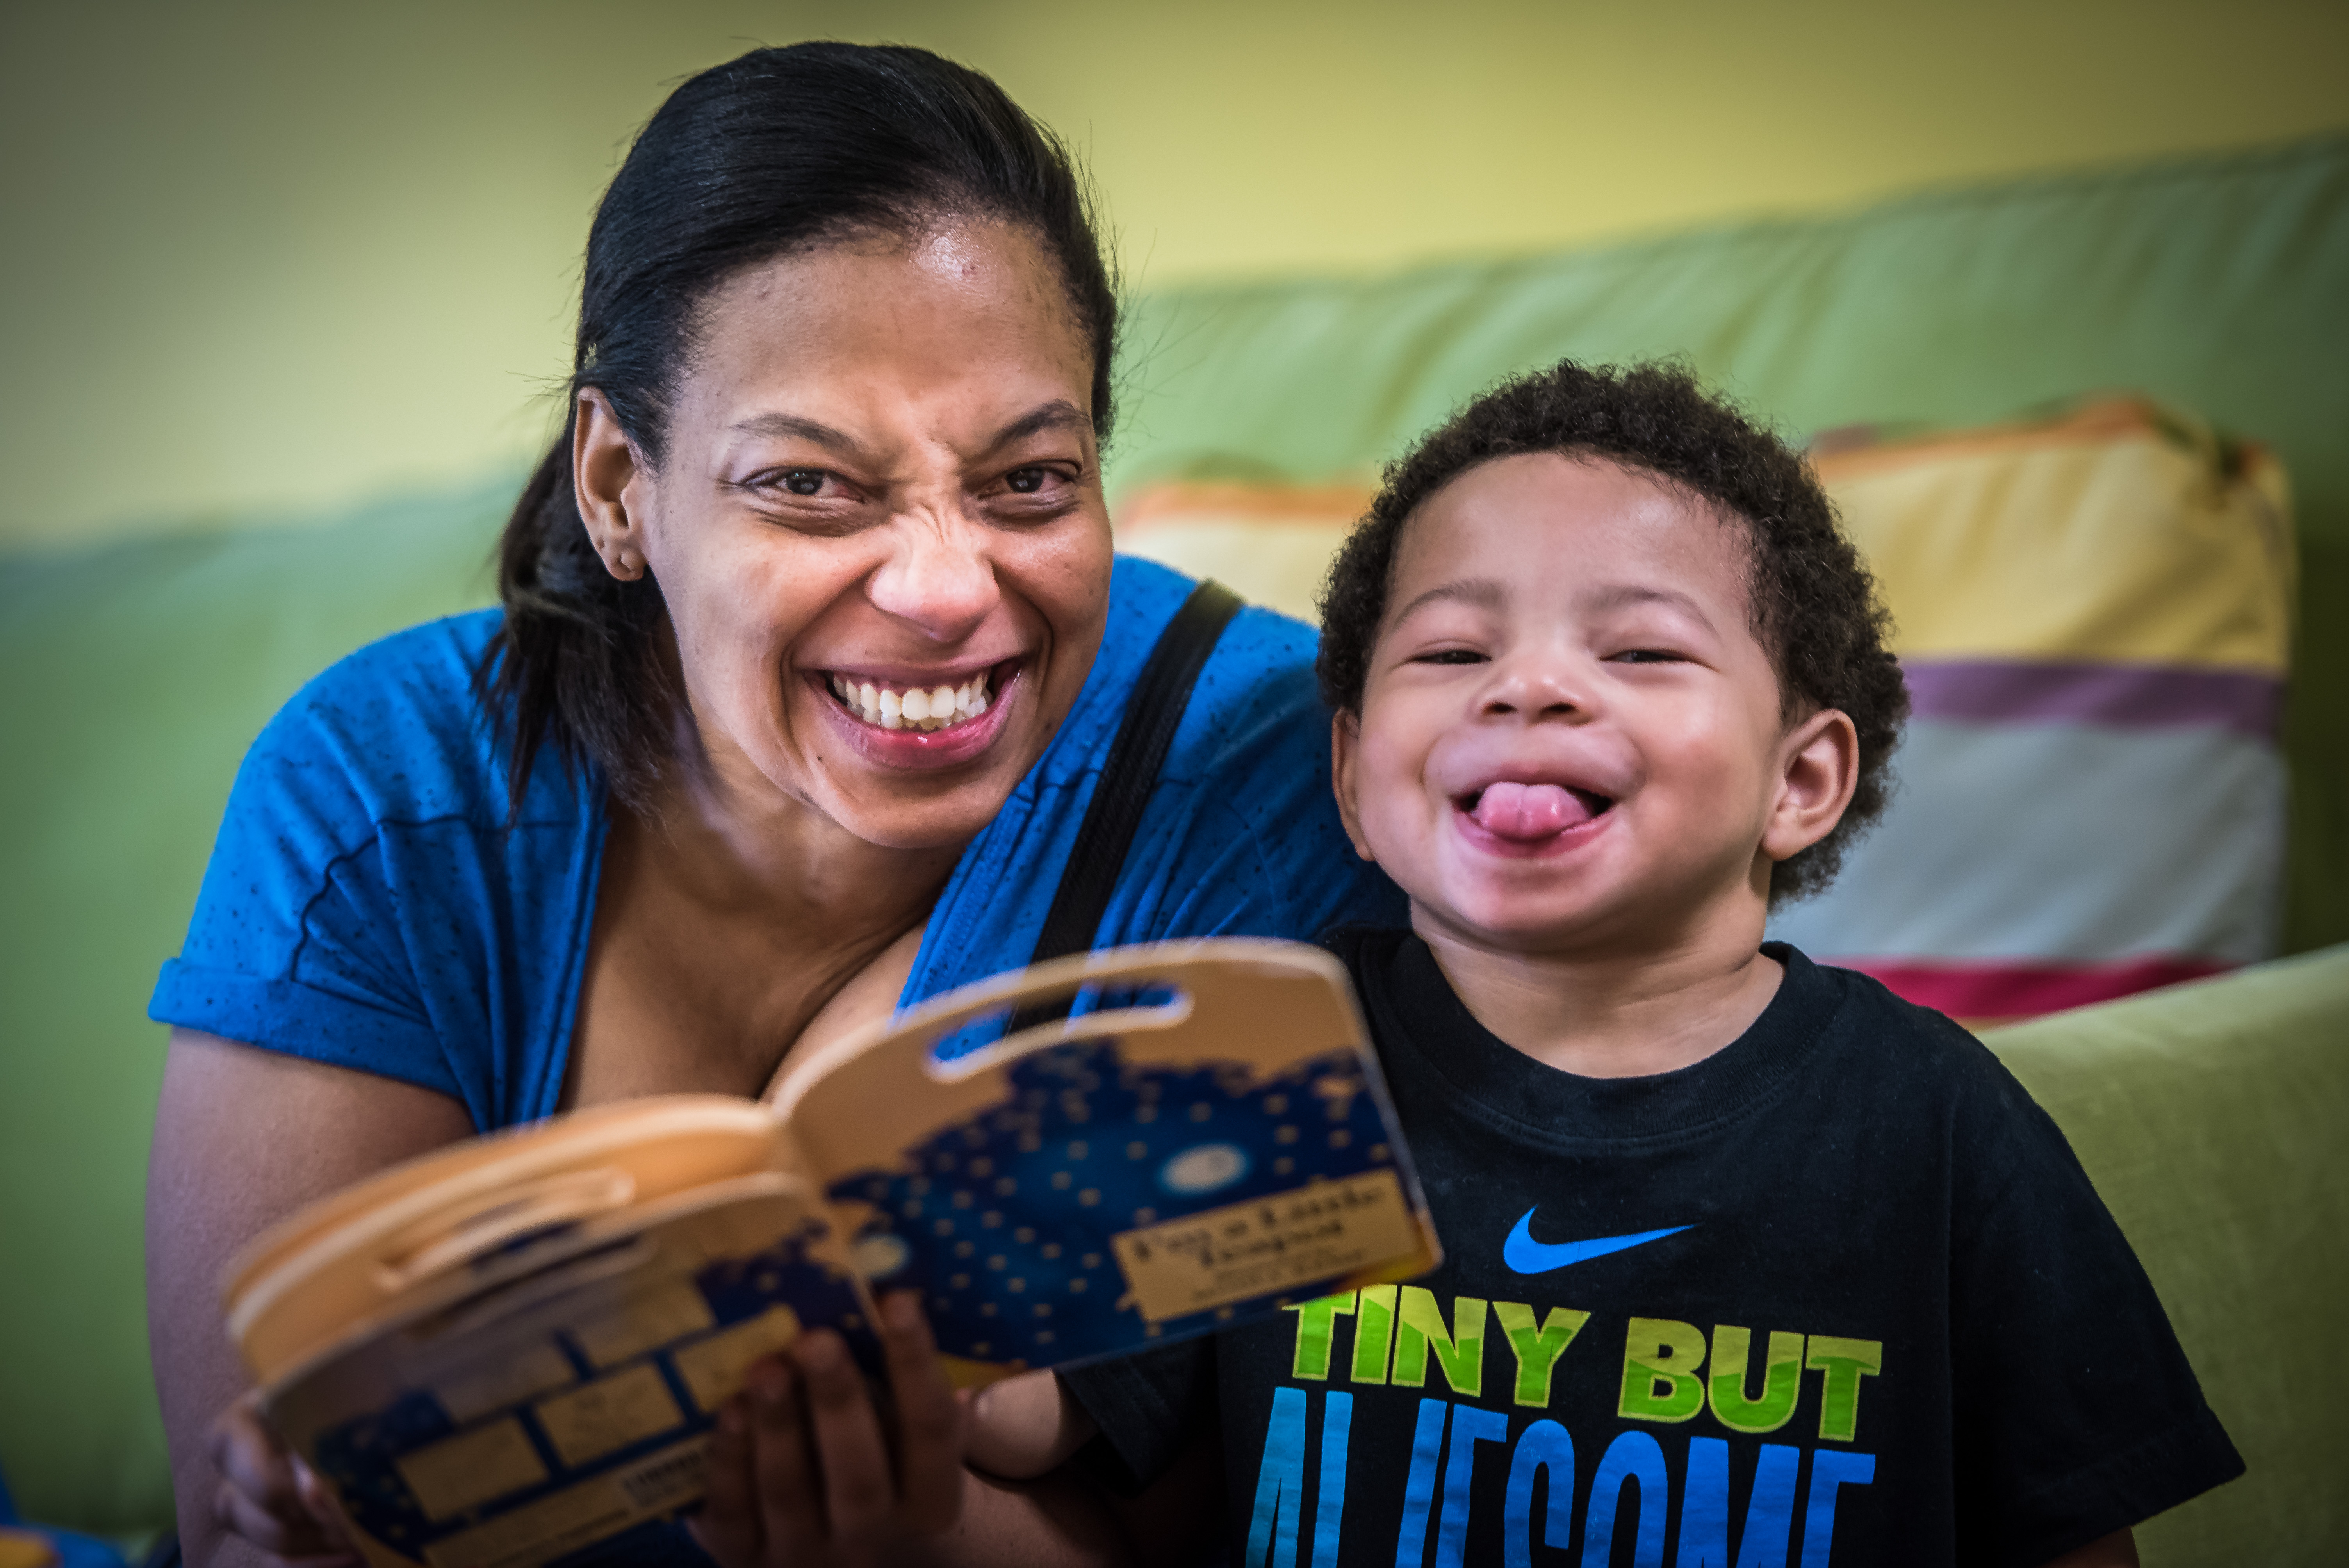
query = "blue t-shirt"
{"x": 370, "y": 904}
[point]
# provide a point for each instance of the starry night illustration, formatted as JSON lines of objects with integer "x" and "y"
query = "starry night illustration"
{"x": 1004, "y": 1221}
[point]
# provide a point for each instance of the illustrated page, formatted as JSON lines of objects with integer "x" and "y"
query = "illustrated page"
{"x": 1206, "y": 1137}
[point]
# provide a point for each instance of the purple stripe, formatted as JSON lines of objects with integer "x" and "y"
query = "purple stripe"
{"x": 2124, "y": 696}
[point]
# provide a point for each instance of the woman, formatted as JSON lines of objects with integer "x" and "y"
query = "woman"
{"x": 812, "y": 651}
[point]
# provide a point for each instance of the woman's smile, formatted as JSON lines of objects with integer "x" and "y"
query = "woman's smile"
{"x": 930, "y": 720}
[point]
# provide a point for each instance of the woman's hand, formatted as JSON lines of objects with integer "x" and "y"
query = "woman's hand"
{"x": 270, "y": 1498}
{"x": 799, "y": 1473}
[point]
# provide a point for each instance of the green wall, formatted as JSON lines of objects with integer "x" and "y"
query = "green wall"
{"x": 265, "y": 256}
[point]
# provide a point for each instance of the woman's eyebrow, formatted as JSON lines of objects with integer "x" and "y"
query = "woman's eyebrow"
{"x": 1060, "y": 414}
{"x": 794, "y": 426}
{"x": 1057, "y": 415}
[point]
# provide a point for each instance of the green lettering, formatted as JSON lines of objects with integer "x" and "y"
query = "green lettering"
{"x": 1782, "y": 1380}
{"x": 1845, "y": 1362}
{"x": 1661, "y": 1362}
{"x": 1373, "y": 1332}
{"x": 1460, "y": 1353}
{"x": 1538, "y": 1349}
{"x": 1317, "y": 1326}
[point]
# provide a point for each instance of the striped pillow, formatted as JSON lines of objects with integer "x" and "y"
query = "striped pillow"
{"x": 2093, "y": 616}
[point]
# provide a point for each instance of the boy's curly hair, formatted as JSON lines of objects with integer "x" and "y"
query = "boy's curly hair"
{"x": 1814, "y": 601}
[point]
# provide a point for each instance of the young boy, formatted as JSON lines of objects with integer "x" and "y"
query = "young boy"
{"x": 1748, "y": 1262}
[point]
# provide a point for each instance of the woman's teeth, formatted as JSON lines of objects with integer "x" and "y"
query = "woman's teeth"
{"x": 914, "y": 707}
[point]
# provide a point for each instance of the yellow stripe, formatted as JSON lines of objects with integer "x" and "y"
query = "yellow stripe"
{"x": 2108, "y": 535}
{"x": 2130, "y": 549}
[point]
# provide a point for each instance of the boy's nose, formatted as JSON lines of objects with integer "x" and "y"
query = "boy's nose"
{"x": 1535, "y": 689}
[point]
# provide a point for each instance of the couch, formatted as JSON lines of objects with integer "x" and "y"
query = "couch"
{"x": 136, "y": 673}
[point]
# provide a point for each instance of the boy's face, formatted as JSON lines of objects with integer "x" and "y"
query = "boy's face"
{"x": 1570, "y": 737}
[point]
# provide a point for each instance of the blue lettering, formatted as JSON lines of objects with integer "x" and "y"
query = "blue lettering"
{"x": 1470, "y": 1426}
{"x": 1770, "y": 1511}
{"x": 1279, "y": 1485}
{"x": 1330, "y": 1498}
{"x": 1632, "y": 1458}
{"x": 1831, "y": 1469}
{"x": 1704, "y": 1508}
{"x": 1543, "y": 1445}
{"x": 1419, "y": 1489}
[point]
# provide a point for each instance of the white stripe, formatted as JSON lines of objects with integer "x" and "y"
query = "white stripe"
{"x": 2062, "y": 842}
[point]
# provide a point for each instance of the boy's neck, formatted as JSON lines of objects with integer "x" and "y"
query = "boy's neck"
{"x": 1626, "y": 1010}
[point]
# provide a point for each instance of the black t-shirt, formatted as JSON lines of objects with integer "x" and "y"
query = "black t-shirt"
{"x": 1840, "y": 1293}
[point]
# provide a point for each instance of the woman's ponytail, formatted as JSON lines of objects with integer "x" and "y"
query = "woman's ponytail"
{"x": 577, "y": 664}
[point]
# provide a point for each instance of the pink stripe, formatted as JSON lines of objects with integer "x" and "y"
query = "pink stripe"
{"x": 1996, "y": 691}
{"x": 2026, "y": 990}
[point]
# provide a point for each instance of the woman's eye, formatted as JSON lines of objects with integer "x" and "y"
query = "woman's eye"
{"x": 803, "y": 481}
{"x": 1028, "y": 481}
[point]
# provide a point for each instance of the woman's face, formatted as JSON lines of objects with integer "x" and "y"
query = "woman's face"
{"x": 879, "y": 529}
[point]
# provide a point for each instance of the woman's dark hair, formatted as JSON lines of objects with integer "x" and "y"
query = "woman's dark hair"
{"x": 778, "y": 151}
{"x": 1814, "y": 601}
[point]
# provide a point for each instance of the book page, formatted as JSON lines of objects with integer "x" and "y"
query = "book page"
{"x": 1206, "y": 1139}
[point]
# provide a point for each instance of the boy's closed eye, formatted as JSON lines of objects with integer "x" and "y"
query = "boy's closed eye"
{"x": 1453, "y": 656}
{"x": 1647, "y": 657}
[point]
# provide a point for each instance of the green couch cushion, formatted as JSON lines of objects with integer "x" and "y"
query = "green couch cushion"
{"x": 2211, "y": 1118}
{"x": 136, "y": 676}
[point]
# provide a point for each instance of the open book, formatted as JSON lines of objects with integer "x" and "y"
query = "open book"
{"x": 508, "y": 1351}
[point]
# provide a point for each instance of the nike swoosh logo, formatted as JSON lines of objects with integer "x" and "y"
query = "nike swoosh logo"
{"x": 1526, "y": 1255}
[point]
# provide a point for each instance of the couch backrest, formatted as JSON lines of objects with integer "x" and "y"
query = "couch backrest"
{"x": 2093, "y": 612}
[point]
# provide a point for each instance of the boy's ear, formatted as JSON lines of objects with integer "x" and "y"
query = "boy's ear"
{"x": 1345, "y": 752}
{"x": 1819, "y": 768}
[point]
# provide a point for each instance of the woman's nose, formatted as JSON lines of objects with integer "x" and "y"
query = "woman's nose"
{"x": 938, "y": 579}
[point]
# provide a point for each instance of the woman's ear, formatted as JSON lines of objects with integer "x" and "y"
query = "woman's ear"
{"x": 1345, "y": 750}
{"x": 1818, "y": 768}
{"x": 604, "y": 469}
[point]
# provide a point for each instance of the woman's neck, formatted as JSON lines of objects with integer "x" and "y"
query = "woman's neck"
{"x": 754, "y": 854}
{"x": 721, "y": 933}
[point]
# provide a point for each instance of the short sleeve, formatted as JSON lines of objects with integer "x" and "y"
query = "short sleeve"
{"x": 372, "y": 903}
{"x": 292, "y": 946}
{"x": 1148, "y": 1406}
{"x": 2076, "y": 1412}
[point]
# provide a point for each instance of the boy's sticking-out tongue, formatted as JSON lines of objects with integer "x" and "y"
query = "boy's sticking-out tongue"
{"x": 1529, "y": 813}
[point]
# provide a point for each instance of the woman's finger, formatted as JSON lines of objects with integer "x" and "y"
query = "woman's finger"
{"x": 318, "y": 1500}
{"x": 931, "y": 1419}
{"x": 859, "y": 1494}
{"x": 728, "y": 1525}
{"x": 248, "y": 1454}
{"x": 783, "y": 1464}
{"x": 262, "y": 1497}
{"x": 237, "y": 1513}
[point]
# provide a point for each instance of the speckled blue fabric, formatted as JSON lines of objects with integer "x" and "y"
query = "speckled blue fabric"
{"x": 369, "y": 904}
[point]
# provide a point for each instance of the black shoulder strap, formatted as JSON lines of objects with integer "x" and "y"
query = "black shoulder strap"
{"x": 1152, "y": 714}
